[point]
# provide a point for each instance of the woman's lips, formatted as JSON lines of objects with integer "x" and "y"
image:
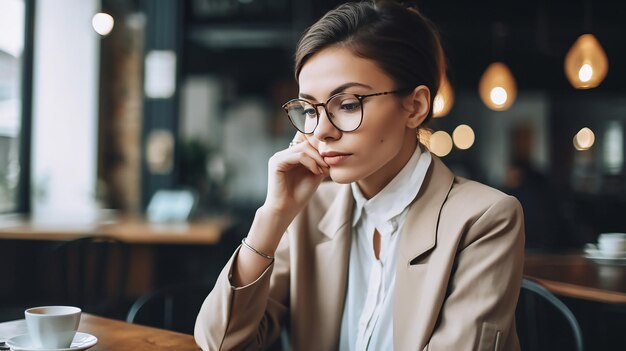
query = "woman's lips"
{"x": 334, "y": 158}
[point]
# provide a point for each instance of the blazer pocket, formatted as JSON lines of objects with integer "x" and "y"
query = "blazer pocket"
{"x": 489, "y": 337}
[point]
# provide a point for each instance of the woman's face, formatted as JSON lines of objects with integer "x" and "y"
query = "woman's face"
{"x": 375, "y": 152}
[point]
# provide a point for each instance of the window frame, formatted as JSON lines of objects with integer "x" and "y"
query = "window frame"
{"x": 23, "y": 204}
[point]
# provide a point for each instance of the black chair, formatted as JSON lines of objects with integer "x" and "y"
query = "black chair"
{"x": 174, "y": 307}
{"x": 538, "y": 315}
{"x": 89, "y": 272}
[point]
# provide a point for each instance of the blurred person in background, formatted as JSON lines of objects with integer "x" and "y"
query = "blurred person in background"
{"x": 532, "y": 188}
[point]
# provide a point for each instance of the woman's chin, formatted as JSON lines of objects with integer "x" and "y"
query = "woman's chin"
{"x": 341, "y": 176}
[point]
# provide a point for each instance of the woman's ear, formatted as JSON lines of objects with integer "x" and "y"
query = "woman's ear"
{"x": 418, "y": 104}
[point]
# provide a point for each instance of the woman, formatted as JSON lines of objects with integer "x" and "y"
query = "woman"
{"x": 396, "y": 252}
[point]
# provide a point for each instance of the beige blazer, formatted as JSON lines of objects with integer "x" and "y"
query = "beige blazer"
{"x": 459, "y": 270}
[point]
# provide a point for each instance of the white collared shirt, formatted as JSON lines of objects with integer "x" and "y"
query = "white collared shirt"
{"x": 367, "y": 322}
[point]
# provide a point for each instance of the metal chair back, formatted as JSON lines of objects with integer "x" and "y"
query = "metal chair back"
{"x": 530, "y": 310}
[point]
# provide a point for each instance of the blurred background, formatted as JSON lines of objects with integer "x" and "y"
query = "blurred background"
{"x": 187, "y": 94}
{"x": 168, "y": 111}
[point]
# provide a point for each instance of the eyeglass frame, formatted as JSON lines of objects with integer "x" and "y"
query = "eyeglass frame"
{"x": 359, "y": 97}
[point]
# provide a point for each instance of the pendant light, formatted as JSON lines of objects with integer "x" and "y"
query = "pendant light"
{"x": 444, "y": 99}
{"x": 586, "y": 64}
{"x": 497, "y": 87}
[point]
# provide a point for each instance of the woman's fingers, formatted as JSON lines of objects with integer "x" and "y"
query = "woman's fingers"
{"x": 294, "y": 174}
{"x": 288, "y": 159}
{"x": 311, "y": 164}
{"x": 313, "y": 153}
{"x": 299, "y": 142}
{"x": 299, "y": 137}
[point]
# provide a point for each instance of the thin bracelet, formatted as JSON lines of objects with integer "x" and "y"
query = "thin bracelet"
{"x": 243, "y": 241}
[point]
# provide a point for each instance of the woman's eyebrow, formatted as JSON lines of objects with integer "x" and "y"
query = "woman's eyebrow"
{"x": 337, "y": 90}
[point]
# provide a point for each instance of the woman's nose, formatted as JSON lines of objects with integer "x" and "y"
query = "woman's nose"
{"x": 325, "y": 129}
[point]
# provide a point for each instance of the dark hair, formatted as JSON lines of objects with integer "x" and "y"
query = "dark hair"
{"x": 403, "y": 42}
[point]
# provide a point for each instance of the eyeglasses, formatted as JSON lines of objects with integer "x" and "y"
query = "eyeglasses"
{"x": 344, "y": 111}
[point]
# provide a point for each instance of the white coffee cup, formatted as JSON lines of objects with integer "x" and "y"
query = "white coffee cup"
{"x": 52, "y": 327}
{"x": 612, "y": 243}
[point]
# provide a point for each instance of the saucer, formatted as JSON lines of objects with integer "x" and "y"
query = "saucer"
{"x": 602, "y": 258}
{"x": 592, "y": 251}
{"x": 81, "y": 341}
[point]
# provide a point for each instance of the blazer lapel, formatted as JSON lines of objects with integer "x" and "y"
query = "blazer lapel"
{"x": 413, "y": 319}
{"x": 332, "y": 258}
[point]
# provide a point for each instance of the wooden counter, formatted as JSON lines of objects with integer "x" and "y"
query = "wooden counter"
{"x": 131, "y": 230}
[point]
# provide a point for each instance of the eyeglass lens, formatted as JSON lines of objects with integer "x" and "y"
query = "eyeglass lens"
{"x": 344, "y": 111}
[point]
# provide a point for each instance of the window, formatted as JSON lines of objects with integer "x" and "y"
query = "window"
{"x": 12, "y": 68}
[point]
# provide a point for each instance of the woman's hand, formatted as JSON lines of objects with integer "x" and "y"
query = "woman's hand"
{"x": 294, "y": 175}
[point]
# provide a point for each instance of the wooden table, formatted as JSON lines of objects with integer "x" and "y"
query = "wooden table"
{"x": 146, "y": 238}
{"x": 576, "y": 276}
{"x": 207, "y": 231}
{"x": 116, "y": 335}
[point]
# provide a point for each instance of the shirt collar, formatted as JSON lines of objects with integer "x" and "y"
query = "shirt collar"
{"x": 396, "y": 196}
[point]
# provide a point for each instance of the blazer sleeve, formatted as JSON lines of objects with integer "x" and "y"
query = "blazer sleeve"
{"x": 479, "y": 311}
{"x": 248, "y": 317}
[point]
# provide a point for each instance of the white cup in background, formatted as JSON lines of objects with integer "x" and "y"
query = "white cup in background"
{"x": 612, "y": 243}
{"x": 52, "y": 327}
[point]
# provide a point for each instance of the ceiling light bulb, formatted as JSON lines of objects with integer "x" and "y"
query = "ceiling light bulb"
{"x": 498, "y": 96}
{"x": 585, "y": 73}
{"x": 438, "y": 105}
